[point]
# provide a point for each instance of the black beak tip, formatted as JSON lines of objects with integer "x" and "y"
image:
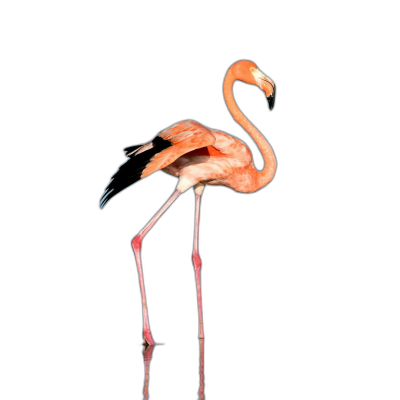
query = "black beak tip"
{"x": 271, "y": 100}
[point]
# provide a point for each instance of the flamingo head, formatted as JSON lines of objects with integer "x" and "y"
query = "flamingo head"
{"x": 248, "y": 72}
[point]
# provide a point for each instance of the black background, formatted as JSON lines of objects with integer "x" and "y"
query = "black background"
{"x": 266, "y": 274}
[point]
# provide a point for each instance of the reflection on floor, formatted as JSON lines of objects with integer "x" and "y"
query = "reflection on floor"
{"x": 147, "y": 357}
{"x": 201, "y": 387}
{"x": 147, "y": 353}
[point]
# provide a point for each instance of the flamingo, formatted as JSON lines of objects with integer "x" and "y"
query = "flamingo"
{"x": 198, "y": 156}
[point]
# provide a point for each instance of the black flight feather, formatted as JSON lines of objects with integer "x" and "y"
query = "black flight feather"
{"x": 131, "y": 171}
{"x": 130, "y": 149}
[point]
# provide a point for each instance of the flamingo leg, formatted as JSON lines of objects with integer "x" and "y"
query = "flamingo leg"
{"x": 137, "y": 246}
{"x": 197, "y": 264}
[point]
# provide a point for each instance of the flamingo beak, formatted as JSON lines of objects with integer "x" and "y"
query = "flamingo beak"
{"x": 266, "y": 85}
{"x": 271, "y": 98}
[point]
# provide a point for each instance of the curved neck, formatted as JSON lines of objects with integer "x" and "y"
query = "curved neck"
{"x": 268, "y": 172}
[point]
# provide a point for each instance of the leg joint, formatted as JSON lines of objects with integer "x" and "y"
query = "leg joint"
{"x": 137, "y": 243}
{"x": 196, "y": 260}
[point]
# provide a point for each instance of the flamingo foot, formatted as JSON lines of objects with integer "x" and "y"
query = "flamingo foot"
{"x": 148, "y": 339}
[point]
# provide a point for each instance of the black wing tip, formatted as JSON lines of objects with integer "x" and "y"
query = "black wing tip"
{"x": 158, "y": 143}
{"x": 104, "y": 199}
{"x": 118, "y": 183}
{"x": 131, "y": 172}
{"x": 131, "y": 149}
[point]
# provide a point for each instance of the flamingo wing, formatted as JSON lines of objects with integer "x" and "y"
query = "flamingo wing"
{"x": 183, "y": 138}
{"x": 162, "y": 151}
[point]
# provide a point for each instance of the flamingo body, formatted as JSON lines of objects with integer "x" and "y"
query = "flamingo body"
{"x": 226, "y": 162}
{"x": 193, "y": 153}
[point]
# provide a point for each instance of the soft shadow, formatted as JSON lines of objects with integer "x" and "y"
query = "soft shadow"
{"x": 147, "y": 355}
